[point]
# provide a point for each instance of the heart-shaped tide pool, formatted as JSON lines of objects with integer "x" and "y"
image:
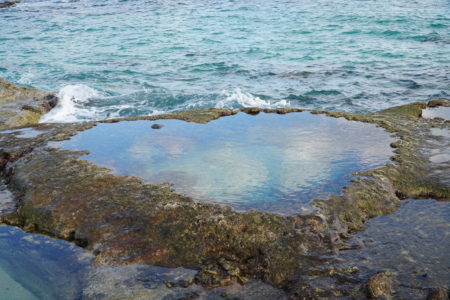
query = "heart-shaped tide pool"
{"x": 266, "y": 162}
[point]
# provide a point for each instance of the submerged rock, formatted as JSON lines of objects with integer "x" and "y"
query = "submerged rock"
{"x": 157, "y": 126}
{"x": 378, "y": 286}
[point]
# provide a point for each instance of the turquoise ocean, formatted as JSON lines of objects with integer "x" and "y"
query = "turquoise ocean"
{"x": 121, "y": 58}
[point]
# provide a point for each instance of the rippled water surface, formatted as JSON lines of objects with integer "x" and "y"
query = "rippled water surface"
{"x": 136, "y": 57}
{"x": 412, "y": 244}
{"x": 267, "y": 162}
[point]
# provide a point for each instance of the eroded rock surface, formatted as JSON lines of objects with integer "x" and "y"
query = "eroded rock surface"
{"x": 22, "y": 106}
{"x": 123, "y": 221}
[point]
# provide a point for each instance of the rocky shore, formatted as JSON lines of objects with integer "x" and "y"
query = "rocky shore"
{"x": 125, "y": 222}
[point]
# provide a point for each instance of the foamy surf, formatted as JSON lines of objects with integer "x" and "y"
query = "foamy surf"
{"x": 72, "y": 105}
{"x": 80, "y": 103}
{"x": 238, "y": 98}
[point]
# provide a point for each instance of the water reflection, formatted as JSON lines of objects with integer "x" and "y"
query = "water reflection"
{"x": 33, "y": 266}
{"x": 436, "y": 112}
{"x": 24, "y": 133}
{"x": 268, "y": 162}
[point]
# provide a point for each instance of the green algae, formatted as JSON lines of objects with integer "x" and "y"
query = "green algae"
{"x": 414, "y": 110}
{"x": 22, "y": 106}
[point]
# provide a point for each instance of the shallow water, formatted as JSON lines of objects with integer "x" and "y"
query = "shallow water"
{"x": 137, "y": 57}
{"x": 25, "y": 133}
{"x": 34, "y": 266}
{"x": 412, "y": 244}
{"x": 436, "y": 112}
{"x": 7, "y": 203}
{"x": 269, "y": 162}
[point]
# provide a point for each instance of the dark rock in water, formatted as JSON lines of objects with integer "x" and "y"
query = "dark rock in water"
{"x": 7, "y": 4}
{"x": 157, "y": 126}
{"x": 438, "y": 294}
{"x": 379, "y": 285}
{"x": 251, "y": 110}
{"x": 438, "y": 102}
{"x": 4, "y": 157}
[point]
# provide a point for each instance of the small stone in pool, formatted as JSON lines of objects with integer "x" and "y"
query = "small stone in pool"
{"x": 157, "y": 126}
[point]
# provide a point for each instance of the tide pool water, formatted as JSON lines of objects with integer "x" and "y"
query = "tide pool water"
{"x": 138, "y": 57}
{"x": 36, "y": 267}
{"x": 411, "y": 244}
{"x": 268, "y": 162}
{"x": 436, "y": 112}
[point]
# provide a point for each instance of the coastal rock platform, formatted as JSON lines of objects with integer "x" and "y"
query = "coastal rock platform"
{"x": 124, "y": 221}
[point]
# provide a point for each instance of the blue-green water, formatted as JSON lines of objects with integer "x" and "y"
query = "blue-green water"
{"x": 35, "y": 267}
{"x": 265, "y": 162}
{"x": 122, "y": 58}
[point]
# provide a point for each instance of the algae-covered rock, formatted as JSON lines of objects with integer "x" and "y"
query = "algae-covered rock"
{"x": 438, "y": 102}
{"x": 22, "y": 106}
{"x": 378, "y": 286}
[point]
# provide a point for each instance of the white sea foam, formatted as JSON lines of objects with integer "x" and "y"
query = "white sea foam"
{"x": 72, "y": 105}
{"x": 237, "y": 98}
{"x": 79, "y": 103}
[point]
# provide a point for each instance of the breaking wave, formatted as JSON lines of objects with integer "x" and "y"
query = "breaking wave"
{"x": 237, "y": 98}
{"x": 80, "y": 103}
{"x": 73, "y": 105}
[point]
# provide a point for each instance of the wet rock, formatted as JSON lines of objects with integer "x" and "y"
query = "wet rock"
{"x": 195, "y": 115}
{"x": 251, "y": 110}
{"x": 4, "y": 157}
{"x": 157, "y": 126}
{"x": 22, "y": 106}
{"x": 414, "y": 109}
{"x": 438, "y": 294}
{"x": 438, "y": 102}
{"x": 190, "y": 296}
{"x": 379, "y": 285}
{"x": 7, "y": 4}
{"x": 32, "y": 227}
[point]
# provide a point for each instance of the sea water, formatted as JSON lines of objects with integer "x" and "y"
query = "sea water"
{"x": 139, "y": 57}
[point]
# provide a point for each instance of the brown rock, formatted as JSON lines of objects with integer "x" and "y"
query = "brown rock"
{"x": 438, "y": 102}
{"x": 251, "y": 110}
{"x": 378, "y": 285}
{"x": 438, "y": 294}
{"x": 4, "y": 157}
